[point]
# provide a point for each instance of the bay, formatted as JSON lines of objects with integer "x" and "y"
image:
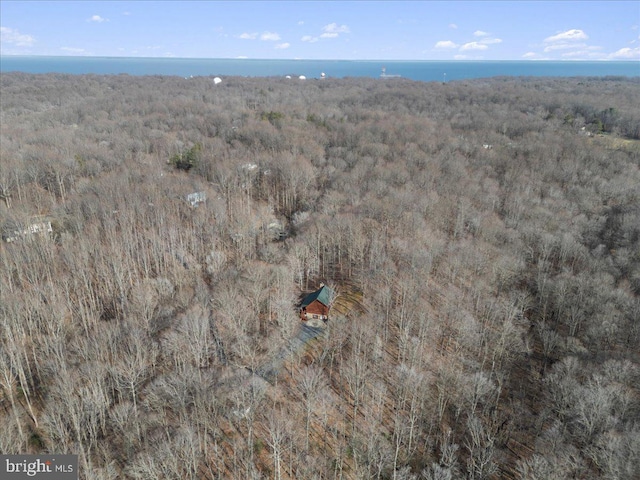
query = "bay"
{"x": 413, "y": 70}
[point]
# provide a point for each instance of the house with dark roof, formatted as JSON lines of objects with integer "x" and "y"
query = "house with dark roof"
{"x": 316, "y": 305}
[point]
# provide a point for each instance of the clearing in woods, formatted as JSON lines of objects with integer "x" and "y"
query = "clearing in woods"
{"x": 348, "y": 301}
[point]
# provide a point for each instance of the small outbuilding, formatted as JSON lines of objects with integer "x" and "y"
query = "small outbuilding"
{"x": 196, "y": 198}
{"x": 316, "y": 305}
{"x": 39, "y": 228}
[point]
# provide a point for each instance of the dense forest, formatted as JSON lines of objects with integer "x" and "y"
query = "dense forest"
{"x": 482, "y": 238}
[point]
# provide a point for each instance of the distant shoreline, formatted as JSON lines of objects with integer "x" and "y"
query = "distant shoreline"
{"x": 381, "y": 61}
{"x": 420, "y": 70}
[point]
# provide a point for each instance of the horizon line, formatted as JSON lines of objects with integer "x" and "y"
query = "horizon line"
{"x": 577, "y": 60}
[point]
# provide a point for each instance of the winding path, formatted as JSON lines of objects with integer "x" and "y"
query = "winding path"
{"x": 307, "y": 331}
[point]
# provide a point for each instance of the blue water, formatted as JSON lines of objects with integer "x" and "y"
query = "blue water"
{"x": 414, "y": 70}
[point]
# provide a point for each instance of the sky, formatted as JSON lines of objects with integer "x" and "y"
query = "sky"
{"x": 336, "y": 30}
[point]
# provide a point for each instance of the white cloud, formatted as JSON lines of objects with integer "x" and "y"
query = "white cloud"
{"x": 453, "y": 26}
{"x": 569, "y": 35}
{"x": 473, "y": 46}
{"x": 301, "y": 22}
{"x": 484, "y": 40}
{"x": 627, "y": 53}
{"x": 270, "y": 37}
{"x": 14, "y": 37}
{"x": 571, "y": 44}
{"x": 72, "y": 49}
{"x": 248, "y": 36}
{"x": 331, "y": 30}
{"x": 335, "y": 28}
{"x": 563, "y": 46}
{"x": 534, "y": 56}
{"x": 97, "y": 19}
{"x": 282, "y": 46}
{"x": 445, "y": 44}
{"x": 590, "y": 52}
{"x": 581, "y": 55}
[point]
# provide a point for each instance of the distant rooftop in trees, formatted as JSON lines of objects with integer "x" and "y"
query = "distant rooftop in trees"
{"x": 196, "y": 198}
{"x": 316, "y": 304}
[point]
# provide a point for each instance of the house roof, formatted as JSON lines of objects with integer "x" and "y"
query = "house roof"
{"x": 323, "y": 295}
